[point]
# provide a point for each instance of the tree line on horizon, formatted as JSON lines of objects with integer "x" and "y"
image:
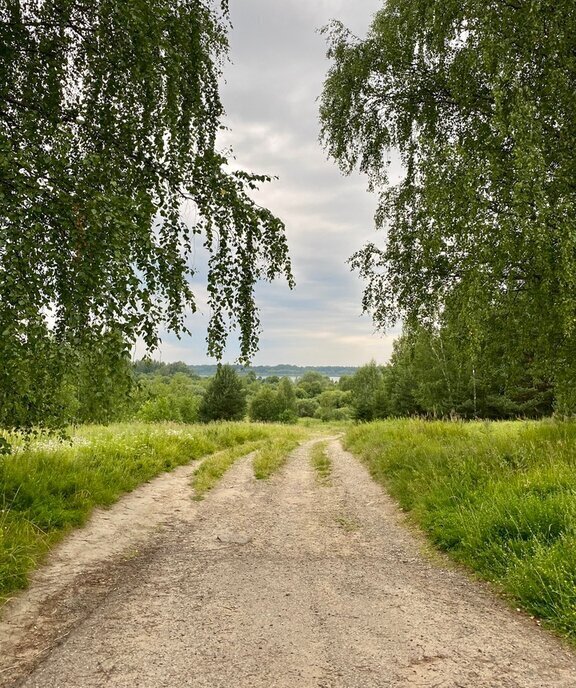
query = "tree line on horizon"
{"x": 150, "y": 365}
{"x": 152, "y": 391}
{"x": 428, "y": 376}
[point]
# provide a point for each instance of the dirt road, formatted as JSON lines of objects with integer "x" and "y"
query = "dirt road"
{"x": 264, "y": 584}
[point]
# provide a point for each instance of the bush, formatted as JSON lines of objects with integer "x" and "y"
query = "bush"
{"x": 314, "y": 383}
{"x": 306, "y": 408}
{"x": 333, "y": 414}
{"x": 264, "y": 406}
{"x": 174, "y": 399}
{"x": 169, "y": 408}
{"x": 275, "y": 406}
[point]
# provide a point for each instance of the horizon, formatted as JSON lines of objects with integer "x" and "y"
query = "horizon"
{"x": 252, "y": 365}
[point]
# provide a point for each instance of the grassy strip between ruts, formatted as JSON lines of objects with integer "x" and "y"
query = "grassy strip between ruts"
{"x": 321, "y": 462}
{"x": 270, "y": 454}
{"x": 499, "y": 497}
{"x": 209, "y": 472}
{"x": 274, "y": 454}
{"x": 49, "y": 487}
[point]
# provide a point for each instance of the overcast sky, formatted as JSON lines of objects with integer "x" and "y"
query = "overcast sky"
{"x": 277, "y": 68}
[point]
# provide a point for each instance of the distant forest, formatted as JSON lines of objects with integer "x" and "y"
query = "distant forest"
{"x": 280, "y": 370}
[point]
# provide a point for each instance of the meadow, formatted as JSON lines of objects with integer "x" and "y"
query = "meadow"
{"x": 499, "y": 497}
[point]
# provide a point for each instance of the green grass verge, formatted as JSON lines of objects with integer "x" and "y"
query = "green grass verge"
{"x": 274, "y": 453}
{"x": 207, "y": 475}
{"x": 270, "y": 454}
{"x": 499, "y": 497}
{"x": 321, "y": 462}
{"x": 49, "y": 487}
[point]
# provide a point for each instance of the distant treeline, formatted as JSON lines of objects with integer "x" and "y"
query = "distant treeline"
{"x": 431, "y": 374}
{"x": 173, "y": 392}
{"x": 148, "y": 367}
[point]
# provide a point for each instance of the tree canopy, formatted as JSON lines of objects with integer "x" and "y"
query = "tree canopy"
{"x": 479, "y": 98}
{"x": 109, "y": 115}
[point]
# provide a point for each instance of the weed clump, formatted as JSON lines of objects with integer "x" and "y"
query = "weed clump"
{"x": 274, "y": 454}
{"x": 321, "y": 463}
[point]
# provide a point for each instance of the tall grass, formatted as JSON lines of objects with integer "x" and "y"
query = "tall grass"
{"x": 499, "y": 497}
{"x": 270, "y": 453}
{"x": 49, "y": 486}
{"x": 209, "y": 472}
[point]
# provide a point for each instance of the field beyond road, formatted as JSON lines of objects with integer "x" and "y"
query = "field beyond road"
{"x": 290, "y": 581}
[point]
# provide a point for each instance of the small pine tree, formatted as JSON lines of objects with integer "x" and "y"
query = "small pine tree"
{"x": 225, "y": 398}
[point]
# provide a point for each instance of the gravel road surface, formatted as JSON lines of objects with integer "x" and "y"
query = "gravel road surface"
{"x": 285, "y": 583}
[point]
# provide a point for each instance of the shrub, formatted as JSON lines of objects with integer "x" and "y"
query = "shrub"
{"x": 276, "y": 406}
{"x": 306, "y": 408}
{"x": 264, "y": 406}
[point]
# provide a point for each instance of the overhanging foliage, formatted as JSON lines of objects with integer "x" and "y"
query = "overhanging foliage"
{"x": 109, "y": 113}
